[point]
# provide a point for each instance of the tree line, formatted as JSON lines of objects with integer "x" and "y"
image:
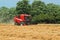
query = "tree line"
{"x": 41, "y": 12}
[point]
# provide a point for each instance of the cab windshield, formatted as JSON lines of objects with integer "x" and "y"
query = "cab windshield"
{"x": 27, "y": 18}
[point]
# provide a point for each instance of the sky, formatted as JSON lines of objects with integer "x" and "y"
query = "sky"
{"x": 52, "y": 1}
{"x": 12, "y": 3}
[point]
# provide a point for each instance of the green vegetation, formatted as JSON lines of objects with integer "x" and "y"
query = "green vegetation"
{"x": 6, "y": 14}
{"x": 41, "y": 12}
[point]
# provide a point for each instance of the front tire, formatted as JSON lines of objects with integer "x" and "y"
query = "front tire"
{"x": 21, "y": 23}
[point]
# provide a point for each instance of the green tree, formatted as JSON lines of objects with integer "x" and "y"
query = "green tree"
{"x": 53, "y": 11}
{"x": 23, "y": 7}
{"x": 6, "y": 14}
{"x": 12, "y": 12}
{"x": 4, "y": 11}
{"x": 38, "y": 7}
{"x": 38, "y": 11}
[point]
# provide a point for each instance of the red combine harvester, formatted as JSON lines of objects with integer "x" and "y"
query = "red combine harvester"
{"x": 22, "y": 19}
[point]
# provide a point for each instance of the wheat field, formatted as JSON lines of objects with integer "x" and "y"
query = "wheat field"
{"x": 31, "y": 32}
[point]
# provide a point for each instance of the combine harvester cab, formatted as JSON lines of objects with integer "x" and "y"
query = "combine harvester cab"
{"x": 22, "y": 19}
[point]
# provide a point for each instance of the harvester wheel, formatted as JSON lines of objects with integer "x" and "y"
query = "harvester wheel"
{"x": 21, "y": 23}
